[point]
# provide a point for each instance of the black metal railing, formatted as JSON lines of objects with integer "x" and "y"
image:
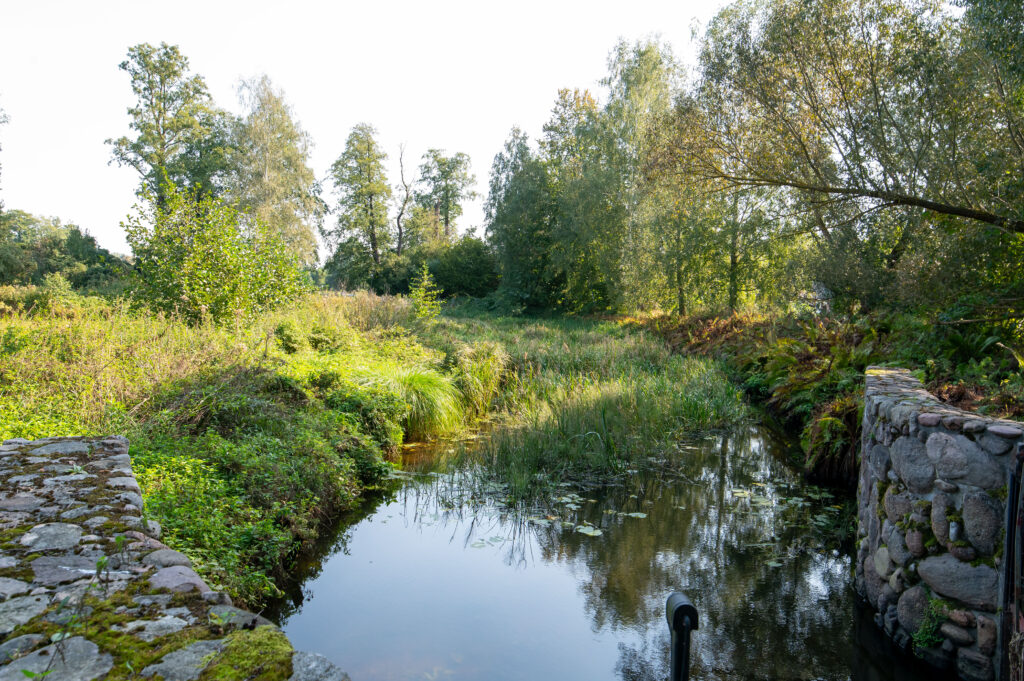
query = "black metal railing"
{"x": 682, "y": 619}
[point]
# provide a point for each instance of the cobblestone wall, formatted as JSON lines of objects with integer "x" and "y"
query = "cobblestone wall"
{"x": 87, "y": 590}
{"x": 931, "y": 509}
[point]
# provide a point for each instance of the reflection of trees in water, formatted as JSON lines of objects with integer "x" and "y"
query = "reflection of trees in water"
{"x": 757, "y": 621}
{"x": 773, "y": 622}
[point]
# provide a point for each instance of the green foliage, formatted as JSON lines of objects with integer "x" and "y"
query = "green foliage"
{"x": 433, "y": 402}
{"x": 363, "y": 193}
{"x": 198, "y": 257}
{"x": 32, "y": 248}
{"x": 289, "y": 337}
{"x": 928, "y": 634}
{"x": 269, "y": 177}
{"x": 447, "y": 181}
{"x": 173, "y": 120}
{"x": 425, "y": 295}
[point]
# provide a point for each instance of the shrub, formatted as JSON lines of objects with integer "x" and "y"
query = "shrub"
{"x": 425, "y": 295}
{"x": 289, "y": 337}
{"x": 202, "y": 259}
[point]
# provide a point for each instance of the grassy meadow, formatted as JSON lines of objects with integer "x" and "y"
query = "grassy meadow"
{"x": 248, "y": 439}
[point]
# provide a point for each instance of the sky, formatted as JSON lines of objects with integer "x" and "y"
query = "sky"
{"x": 428, "y": 74}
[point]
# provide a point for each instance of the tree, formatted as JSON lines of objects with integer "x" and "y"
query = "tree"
{"x": 874, "y": 103}
{"x": 172, "y": 117}
{"x": 425, "y": 295}
{"x": 447, "y": 182}
{"x": 403, "y": 202}
{"x": 270, "y": 176}
{"x": 203, "y": 259}
{"x": 363, "y": 192}
{"x": 3, "y": 121}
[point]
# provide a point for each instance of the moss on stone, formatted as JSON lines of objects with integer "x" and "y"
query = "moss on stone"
{"x": 262, "y": 654}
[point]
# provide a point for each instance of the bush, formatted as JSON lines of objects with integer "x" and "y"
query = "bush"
{"x": 202, "y": 259}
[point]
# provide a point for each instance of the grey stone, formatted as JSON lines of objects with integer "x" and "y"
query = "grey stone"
{"x": 898, "y": 552}
{"x": 878, "y": 458}
{"x": 940, "y": 523}
{"x": 883, "y": 566}
{"x": 217, "y": 598}
{"x": 957, "y": 635}
{"x": 872, "y": 582}
{"x": 982, "y": 521}
{"x": 185, "y": 664}
{"x": 18, "y": 646}
{"x": 79, "y": 659}
{"x": 975, "y": 586}
{"x": 911, "y": 462}
{"x": 8, "y": 561}
{"x": 974, "y": 426}
{"x": 17, "y": 611}
{"x": 939, "y": 658}
{"x": 53, "y": 570}
{"x": 133, "y": 498}
{"x": 230, "y": 616}
{"x": 20, "y": 502}
{"x": 63, "y": 447}
{"x": 953, "y": 422}
{"x": 897, "y": 581}
{"x": 52, "y": 537}
{"x": 964, "y": 553}
{"x": 954, "y": 531}
{"x": 15, "y": 441}
{"x": 911, "y": 608}
{"x": 958, "y": 459}
{"x": 313, "y": 667}
{"x": 65, "y": 479}
{"x": 973, "y": 666}
{"x": 63, "y": 615}
{"x": 928, "y": 420}
{"x": 948, "y": 487}
{"x": 23, "y": 480}
{"x": 78, "y": 512}
{"x": 995, "y": 444}
{"x": 178, "y": 578}
{"x": 166, "y": 558}
{"x": 12, "y": 587}
{"x": 127, "y": 483}
{"x": 897, "y": 504}
{"x": 915, "y": 543}
{"x": 96, "y": 521}
{"x": 986, "y": 635}
{"x": 148, "y": 630}
{"x": 1004, "y": 431}
{"x": 153, "y": 527}
{"x": 964, "y": 618}
{"x": 160, "y": 600}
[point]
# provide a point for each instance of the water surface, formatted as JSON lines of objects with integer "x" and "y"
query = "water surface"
{"x": 440, "y": 579}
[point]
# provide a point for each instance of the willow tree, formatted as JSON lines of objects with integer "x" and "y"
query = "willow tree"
{"x": 877, "y": 103}
{"x": 270, "y": 175}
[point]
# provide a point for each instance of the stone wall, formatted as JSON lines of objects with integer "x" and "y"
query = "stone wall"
{"x": 931, "y": 509}
{"x": 88, "y": 591}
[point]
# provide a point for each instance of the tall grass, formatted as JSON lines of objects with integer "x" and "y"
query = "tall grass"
{"x": 432, "y": 399}
{"x": 585, "y": 398}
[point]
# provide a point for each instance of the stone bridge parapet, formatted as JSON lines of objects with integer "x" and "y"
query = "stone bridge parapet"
{"x": 931, "y": 522}
{"x": 88, "y": 591}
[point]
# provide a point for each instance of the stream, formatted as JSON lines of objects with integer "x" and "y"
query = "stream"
{"x": 438, "y": 578}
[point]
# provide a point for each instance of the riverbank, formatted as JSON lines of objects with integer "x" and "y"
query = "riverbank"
{"x": 249, "y": 440}
{"x": 809, "y": 370}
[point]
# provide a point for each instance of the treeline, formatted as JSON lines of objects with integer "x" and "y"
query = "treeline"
{"x": 241, "y": 186}
{"x": 860, "y": 153}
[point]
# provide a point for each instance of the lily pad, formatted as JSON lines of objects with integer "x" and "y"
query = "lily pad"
{"x": 635, "y": 514}
{"x": 589, "y": 531}
{"x": 740, "y": 493}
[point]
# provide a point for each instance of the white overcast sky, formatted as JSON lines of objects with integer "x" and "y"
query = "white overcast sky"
{"x": 452, "y": 75}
